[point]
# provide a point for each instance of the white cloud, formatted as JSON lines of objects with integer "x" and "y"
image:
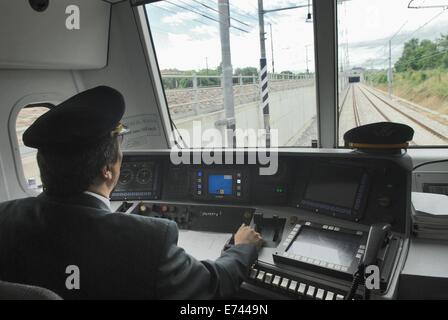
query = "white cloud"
{"x": 358, "y": 22}
{"x": 186, "y": 52}
{"x": 204, "y": 30}
{"x": 179, "y": 18}
{"x": 177, "y": 38}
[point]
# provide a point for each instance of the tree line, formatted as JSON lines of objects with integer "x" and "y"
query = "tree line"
{"x": 424, "y": 55}
{"x": 207, "y": 77}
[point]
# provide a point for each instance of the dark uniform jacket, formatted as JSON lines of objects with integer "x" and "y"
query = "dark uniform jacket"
{"x": 119, "y": 256}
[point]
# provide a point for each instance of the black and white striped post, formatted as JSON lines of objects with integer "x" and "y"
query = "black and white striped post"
{"x": 264, "y": 88}
{"x": 265, "y": 99}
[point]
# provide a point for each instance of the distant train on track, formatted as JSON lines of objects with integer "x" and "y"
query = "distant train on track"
{"x": 356, "y": 75}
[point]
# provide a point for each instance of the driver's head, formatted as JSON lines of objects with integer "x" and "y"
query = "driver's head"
{"x": 78, "y": 142}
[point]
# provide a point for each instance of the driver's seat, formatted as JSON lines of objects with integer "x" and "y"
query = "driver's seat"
{"x": 15, "y": 291}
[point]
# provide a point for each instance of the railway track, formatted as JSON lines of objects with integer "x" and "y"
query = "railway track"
{"x": 375, "y": 106}
{"x": 413, "y": 119}
{"x": 344, "y": 100}
{"x": 377, "y": 109}
{"x": 368, "y": 106}
{"x": 355, "y": 108}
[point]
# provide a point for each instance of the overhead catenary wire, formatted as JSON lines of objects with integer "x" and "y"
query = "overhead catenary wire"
{"x": 215, "y": 10}
{"x": 270, "y": 19}
{"x": 203, "y": 15}
{"x": 412, "y": 33}
{"x": 241, "y": 15}
{"x": 399, "y": 30}
{"x": 250, "y": 16}
{"x": 194, "y": 10}
{"x": 426, "y": 7}
{"x": 381, "y": 61}
{"x": 425, "y": 57}
{"x": 422, "y": 26}
{"x": 419, "y": 58}
{"x": 175, "y": 12}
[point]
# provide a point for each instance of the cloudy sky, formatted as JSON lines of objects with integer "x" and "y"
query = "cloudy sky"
{"x": 187, "y": 37}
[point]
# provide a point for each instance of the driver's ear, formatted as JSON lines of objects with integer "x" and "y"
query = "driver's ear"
{"x": 106, "y": 172}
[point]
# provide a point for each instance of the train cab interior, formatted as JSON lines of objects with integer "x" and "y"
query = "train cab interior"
{"x": 237, "y": 113}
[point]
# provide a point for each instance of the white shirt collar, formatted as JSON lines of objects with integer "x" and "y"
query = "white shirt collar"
{"x": 105, "y": 200}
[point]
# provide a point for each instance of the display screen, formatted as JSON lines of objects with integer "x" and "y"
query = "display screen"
{"x": 338, "y": 248}
{"x": 335, "y": 185}
{"x": 220, "y": 185}
{"x": 138, "y": 180}
{"x": 136, "y": 176}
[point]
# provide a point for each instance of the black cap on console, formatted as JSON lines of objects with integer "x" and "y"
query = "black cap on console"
{"x": 381, "y": 135}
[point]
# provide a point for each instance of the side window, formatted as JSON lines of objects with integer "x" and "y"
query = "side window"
{"x": 24, "y": 119}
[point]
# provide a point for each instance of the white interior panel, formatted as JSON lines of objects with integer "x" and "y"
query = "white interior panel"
{"x": 40, "y": 40}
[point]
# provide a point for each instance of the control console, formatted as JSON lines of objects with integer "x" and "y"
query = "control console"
{"x": 314, "y": 215}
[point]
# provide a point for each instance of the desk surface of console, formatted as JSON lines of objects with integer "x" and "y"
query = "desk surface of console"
{"x": 431, "y": 279}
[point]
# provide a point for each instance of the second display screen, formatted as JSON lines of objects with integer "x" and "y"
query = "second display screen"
{"x": 220, "y": 185}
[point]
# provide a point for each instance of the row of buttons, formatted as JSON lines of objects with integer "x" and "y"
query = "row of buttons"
{"x": 331, "y": 228}
{"x": 238, "y": 185}
{"x": 316, "y": 206}
{"x": 132, "y": 194}
{"x": 199, "y": 183}
{"x": 316, "y": 262}
{"x": 361, "y": 251}
{"x": 292, "y": 235}
{"x": 293, "y": 286}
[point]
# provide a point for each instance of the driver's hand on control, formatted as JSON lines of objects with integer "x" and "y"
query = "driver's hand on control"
{"x": 247, "y": 235}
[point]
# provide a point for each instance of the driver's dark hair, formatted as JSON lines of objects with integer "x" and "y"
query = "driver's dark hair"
{"x": 66, "y": 172}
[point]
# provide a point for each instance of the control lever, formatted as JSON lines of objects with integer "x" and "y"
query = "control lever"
{"x": 256, "y": 223}
{"x": 258, "y": 218}
{"x": 276, "y": 227}
{"x": 378, "y": 235}
{"x": 230, "y": 242}
{"x": 124, "y": 207}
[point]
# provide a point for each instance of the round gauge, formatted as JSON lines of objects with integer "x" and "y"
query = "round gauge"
{"x": 144, "y": 176}
{"x": 126, "y": 176}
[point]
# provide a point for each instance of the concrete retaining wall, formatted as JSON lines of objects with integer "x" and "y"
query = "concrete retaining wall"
{"x": 291, "y": 113}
